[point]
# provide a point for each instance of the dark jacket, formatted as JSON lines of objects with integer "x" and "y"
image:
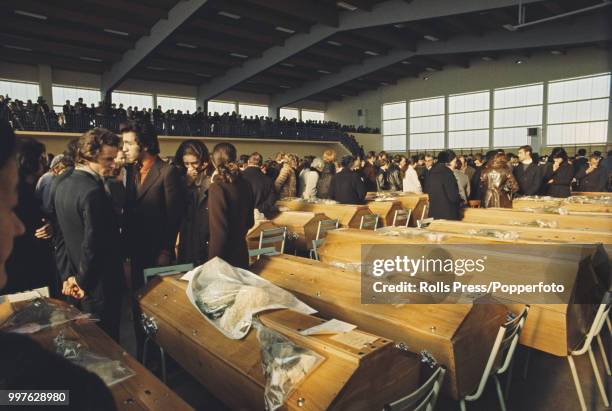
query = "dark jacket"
{"x": 31, "y": 263}
{"x": 90, "y": 231}
{"x": 325, "y": 179}
{"x": 153, "y": 214}
{"x": 347, "y": 188}
{"x": 382, "y": 180}
{"x": 476, "y": 192}
{"x": 194, "y": 233}
{"x": 369, "y": 173}
{"x": 26, "y": 365}
{"x": 395, "y": 178}
{"x": 562, "y": 179}
{"x": 264, "y": 194}
{"x": 498, "y": 185}
{"x": 444, "y": 199}
{"x": 595, "y": 181}
{"x": 230, "y": 216}
{"x": 579, "y": 163}
{"x": 529, "y": 179}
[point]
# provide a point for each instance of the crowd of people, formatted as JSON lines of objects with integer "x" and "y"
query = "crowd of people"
{"x": 79, "y": 117}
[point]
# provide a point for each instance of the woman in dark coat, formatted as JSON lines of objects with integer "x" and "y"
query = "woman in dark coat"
{"x": 326, "y": 175}
{"x": 498, "y": 183}
{"x": 558, "y": 174}
{"x": 192, "y": 159}
{"x": 443, "y": 190}
{"x": 230, "y": 208}
{"x": 593, "y": 177}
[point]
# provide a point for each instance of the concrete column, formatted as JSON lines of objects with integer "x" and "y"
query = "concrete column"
{"x": 273, "y": 112}
{"x": 45, "y": 83}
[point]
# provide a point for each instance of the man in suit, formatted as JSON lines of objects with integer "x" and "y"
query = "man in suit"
{"x": 89, "y": 229}
{"x": 527, "y": 173}
{"x": 155, "y": 202}
{"x": 262, "y": 186}
{"x": 428, "y": 163}
{"x": 347, "y": 187}
{"x": 442, "y": 187}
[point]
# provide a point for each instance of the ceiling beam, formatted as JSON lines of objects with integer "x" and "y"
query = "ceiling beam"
{"x": 320, "y": 12}
{"x": 261, "y": 15}
{"x": 145, "y": 45}
{"x": 388, "y": 12}
{"x": 586, "y": 29}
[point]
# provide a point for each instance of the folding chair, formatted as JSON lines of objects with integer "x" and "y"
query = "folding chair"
{"x": 270, "y": 238}
{"x": 423, "y": 398}
{"x": 322, "y": 229}
{"x": 594, "y": 330}
{"x": 369, "y": 221}
{"x": 402, "y": 217}
{"x": 504, "y": 347}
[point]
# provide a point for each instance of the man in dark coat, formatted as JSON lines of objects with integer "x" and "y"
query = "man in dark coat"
{"x": 347, "y": 187}
{"x": 528, "y": 173}
{"x": 593, "y": 177}
{"x": 155, "y": 203}
{"x": 262, "y": 186}
{"x": 443, "y": 190}
{"x": 88, "y": 226}
{"x": 370, "y": 172}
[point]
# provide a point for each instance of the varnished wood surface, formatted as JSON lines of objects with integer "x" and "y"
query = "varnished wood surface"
{"x": 507, "y": 216}
{"x": 232, "y": 371}
{"x": 413, "y": 201}
{"x": 520, "y": 204}
{"x": 143, "y": 391}
{"x": 348, "y": 214}
{"x": 458, "y": 335}
{"x": 386, "y": 210}
{"x": 303, "y": 224}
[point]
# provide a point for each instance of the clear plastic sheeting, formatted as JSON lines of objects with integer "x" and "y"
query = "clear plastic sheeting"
{"x": 536, "y": 223}
{"x": 309, "y": 200}
{"x": 499, "y": 234}
{"x": 110, "y": 371}
{"x": 603, "y": 200}
{"x": 431, "y": 236}
{"x": 40, "y": 314}
{"x": 545, "y": 210}
{"x": 228, "y": 297}
{"x": 285, "y": 365}
{"x": 352, "y": 266}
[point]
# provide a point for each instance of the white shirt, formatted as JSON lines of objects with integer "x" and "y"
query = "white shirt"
{"x": 411, "y": 182}
{"x": 308, "y": 183}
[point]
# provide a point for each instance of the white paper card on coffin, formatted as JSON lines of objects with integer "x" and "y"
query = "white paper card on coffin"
{"x": 332, "y": 326}
{"x": 241, "y": 293}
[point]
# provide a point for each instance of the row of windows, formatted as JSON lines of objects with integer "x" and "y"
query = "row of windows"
{"x": 577, "y": 112}
{"x": 30, "y": 91}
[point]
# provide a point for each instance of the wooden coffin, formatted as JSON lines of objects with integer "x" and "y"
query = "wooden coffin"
{"x": 348, "y": 214}
{"x": 386, "y": 210}
{"x": 143, "y": 391}
{"x": 301, "y": 225}
{"x": 506, "y": 216}
{"x": 353, "y": 376}
{"x": 459, "y": 336}
{"x": 253, "y": 234}
{"x": 528, "y": 233}
{"x": 416, "y": 202}
{"x": 591, "y": 193}
{"x": 520, "y": 204}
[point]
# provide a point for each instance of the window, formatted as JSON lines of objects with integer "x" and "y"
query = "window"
{"x": 468, "y": 120}
{"x": 221, "y": 107}
{"x": 177, "y": 103}
{"x": 290, "y": 113}
{"x": 19, "y": 90}
{"x": 578, "y": 110}
{"x": 248, "y": 110}
{"x": 394, "y": 126}
{"x": 310, "y": 115}
{"x": 133, "y": 99}
{"x": 427, "y": 123}
{"x": 63, "y": 93}
{"x": 515, "y": 110}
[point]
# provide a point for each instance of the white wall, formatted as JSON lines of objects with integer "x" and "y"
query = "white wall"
{"x": 481, "y": 75}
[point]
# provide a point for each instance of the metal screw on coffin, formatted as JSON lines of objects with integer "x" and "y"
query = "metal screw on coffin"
{"x": 301, "y": 401}
{"x": 433, "y": 328}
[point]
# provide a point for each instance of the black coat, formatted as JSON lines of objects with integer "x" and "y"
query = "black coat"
{"x": 195, "y": 233}
{"x": 476, "y": 193}
{"x": 369, "y": 172}
{"x": 595, "y": 181}
{"x": 264, "y": 194}
{"x": 443, "y": 190}
{"x": 562, "y": 179}
{"x": 580, "y": 163}
{"x": 153, "y": 213}
{"x": 529, "y": 179}
{"x": 325, "y": 179}
{"x": 230, "y": 216}
{"x": 89, "y": 228}
{"x": 347, "y": 187}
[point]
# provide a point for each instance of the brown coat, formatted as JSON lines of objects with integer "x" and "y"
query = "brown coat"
{"x": 498, "y": 185}
{"x": 286, "y": 182}
{"x": 230, "y": 216}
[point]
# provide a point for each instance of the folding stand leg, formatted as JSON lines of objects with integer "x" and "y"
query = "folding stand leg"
{"x": 572, "y": 365}
{"x": 462, "y": 406}
{"x": 163, "y": 364}
{"x": 500, "y": 394}
{"x": 602, "y": 389}
{"x": 509, "y": 379}
{"x": 526, "y": 367}
{"x": 604, "y": 356}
